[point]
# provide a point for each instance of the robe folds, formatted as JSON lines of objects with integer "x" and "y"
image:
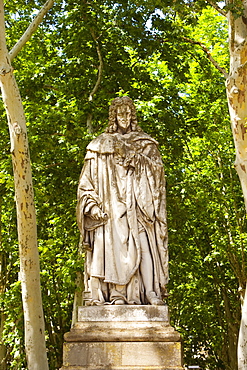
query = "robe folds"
{"x": 123, "y": 175}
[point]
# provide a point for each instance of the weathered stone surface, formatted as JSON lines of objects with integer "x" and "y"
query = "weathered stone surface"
{"x": 123, "y": 337}
{"x": 122, "y": 355}
{"x": 132, "y": 313}
{"x": 122, "y": 331}
{"x": 123, "y": 323}
{"x": 121, "y": 213}
{"x": 123, "y": 368}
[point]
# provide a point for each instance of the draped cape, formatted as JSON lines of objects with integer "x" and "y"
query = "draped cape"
{"x": 124, "y": 176}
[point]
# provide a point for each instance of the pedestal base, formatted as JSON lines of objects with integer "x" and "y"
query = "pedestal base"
{"x": 122, "y": 337}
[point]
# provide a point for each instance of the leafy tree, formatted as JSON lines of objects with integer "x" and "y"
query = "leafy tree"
{"x": 236, "y": 13}
{"x": 29, "y": 260}
{"x": 81, "y": 56}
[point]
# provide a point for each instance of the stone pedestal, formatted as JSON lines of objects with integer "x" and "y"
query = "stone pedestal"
{"x": 121, "y": 338}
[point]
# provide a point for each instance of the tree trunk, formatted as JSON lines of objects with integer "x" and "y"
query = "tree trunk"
{"x": 3, "y": 350}
{"x": 26, "y": 217}
{"x": 242, "y": 339}
{"x": 237, "y": 101}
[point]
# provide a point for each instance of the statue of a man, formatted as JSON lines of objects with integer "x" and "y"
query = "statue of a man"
{"x": 122, "y": 214}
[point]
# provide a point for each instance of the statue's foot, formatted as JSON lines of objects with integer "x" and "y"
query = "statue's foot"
{"x": 154, "y": 300}
{"x": 119, "y": 301}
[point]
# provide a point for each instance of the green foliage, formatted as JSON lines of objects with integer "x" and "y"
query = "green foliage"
{"x": 236, "y": 7}
{"x": 180, "y": 99}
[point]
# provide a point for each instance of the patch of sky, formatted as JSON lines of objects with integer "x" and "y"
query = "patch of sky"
{"x": 149, "y": 22}
{"x": 183, "y": 94}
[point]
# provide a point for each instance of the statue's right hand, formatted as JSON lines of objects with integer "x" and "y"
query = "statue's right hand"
{"x": 97, "y": 214}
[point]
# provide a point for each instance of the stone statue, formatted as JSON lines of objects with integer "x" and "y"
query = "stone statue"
{"x": 121, "y": 214}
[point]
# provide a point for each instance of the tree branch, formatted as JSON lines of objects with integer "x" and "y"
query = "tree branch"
{"x": 208, "y": 54}
{"x": 215, "y": 6}
{"x": 51, "y": 87}
{"x": 231, "y": 22}
{"x": 100, "y": 68}
{"x": 31, "y": 29}
{"x": 96, "y": 86}
{"x": 5, "y": 65}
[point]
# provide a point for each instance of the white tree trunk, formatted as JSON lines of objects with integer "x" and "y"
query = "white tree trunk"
{"x": 3, "y": 278}
{"x": 236, "y": 86}
{"x": 26, "y": 217}
{"x": 242, "y": 338}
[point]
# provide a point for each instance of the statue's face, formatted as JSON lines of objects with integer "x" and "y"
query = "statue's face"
{"x": 123, "y": 118}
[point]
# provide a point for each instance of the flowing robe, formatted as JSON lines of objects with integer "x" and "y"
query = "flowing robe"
{"x": 123, "y": 175}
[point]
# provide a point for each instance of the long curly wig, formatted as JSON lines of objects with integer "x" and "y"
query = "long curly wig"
{"x": 112, "y": 123}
